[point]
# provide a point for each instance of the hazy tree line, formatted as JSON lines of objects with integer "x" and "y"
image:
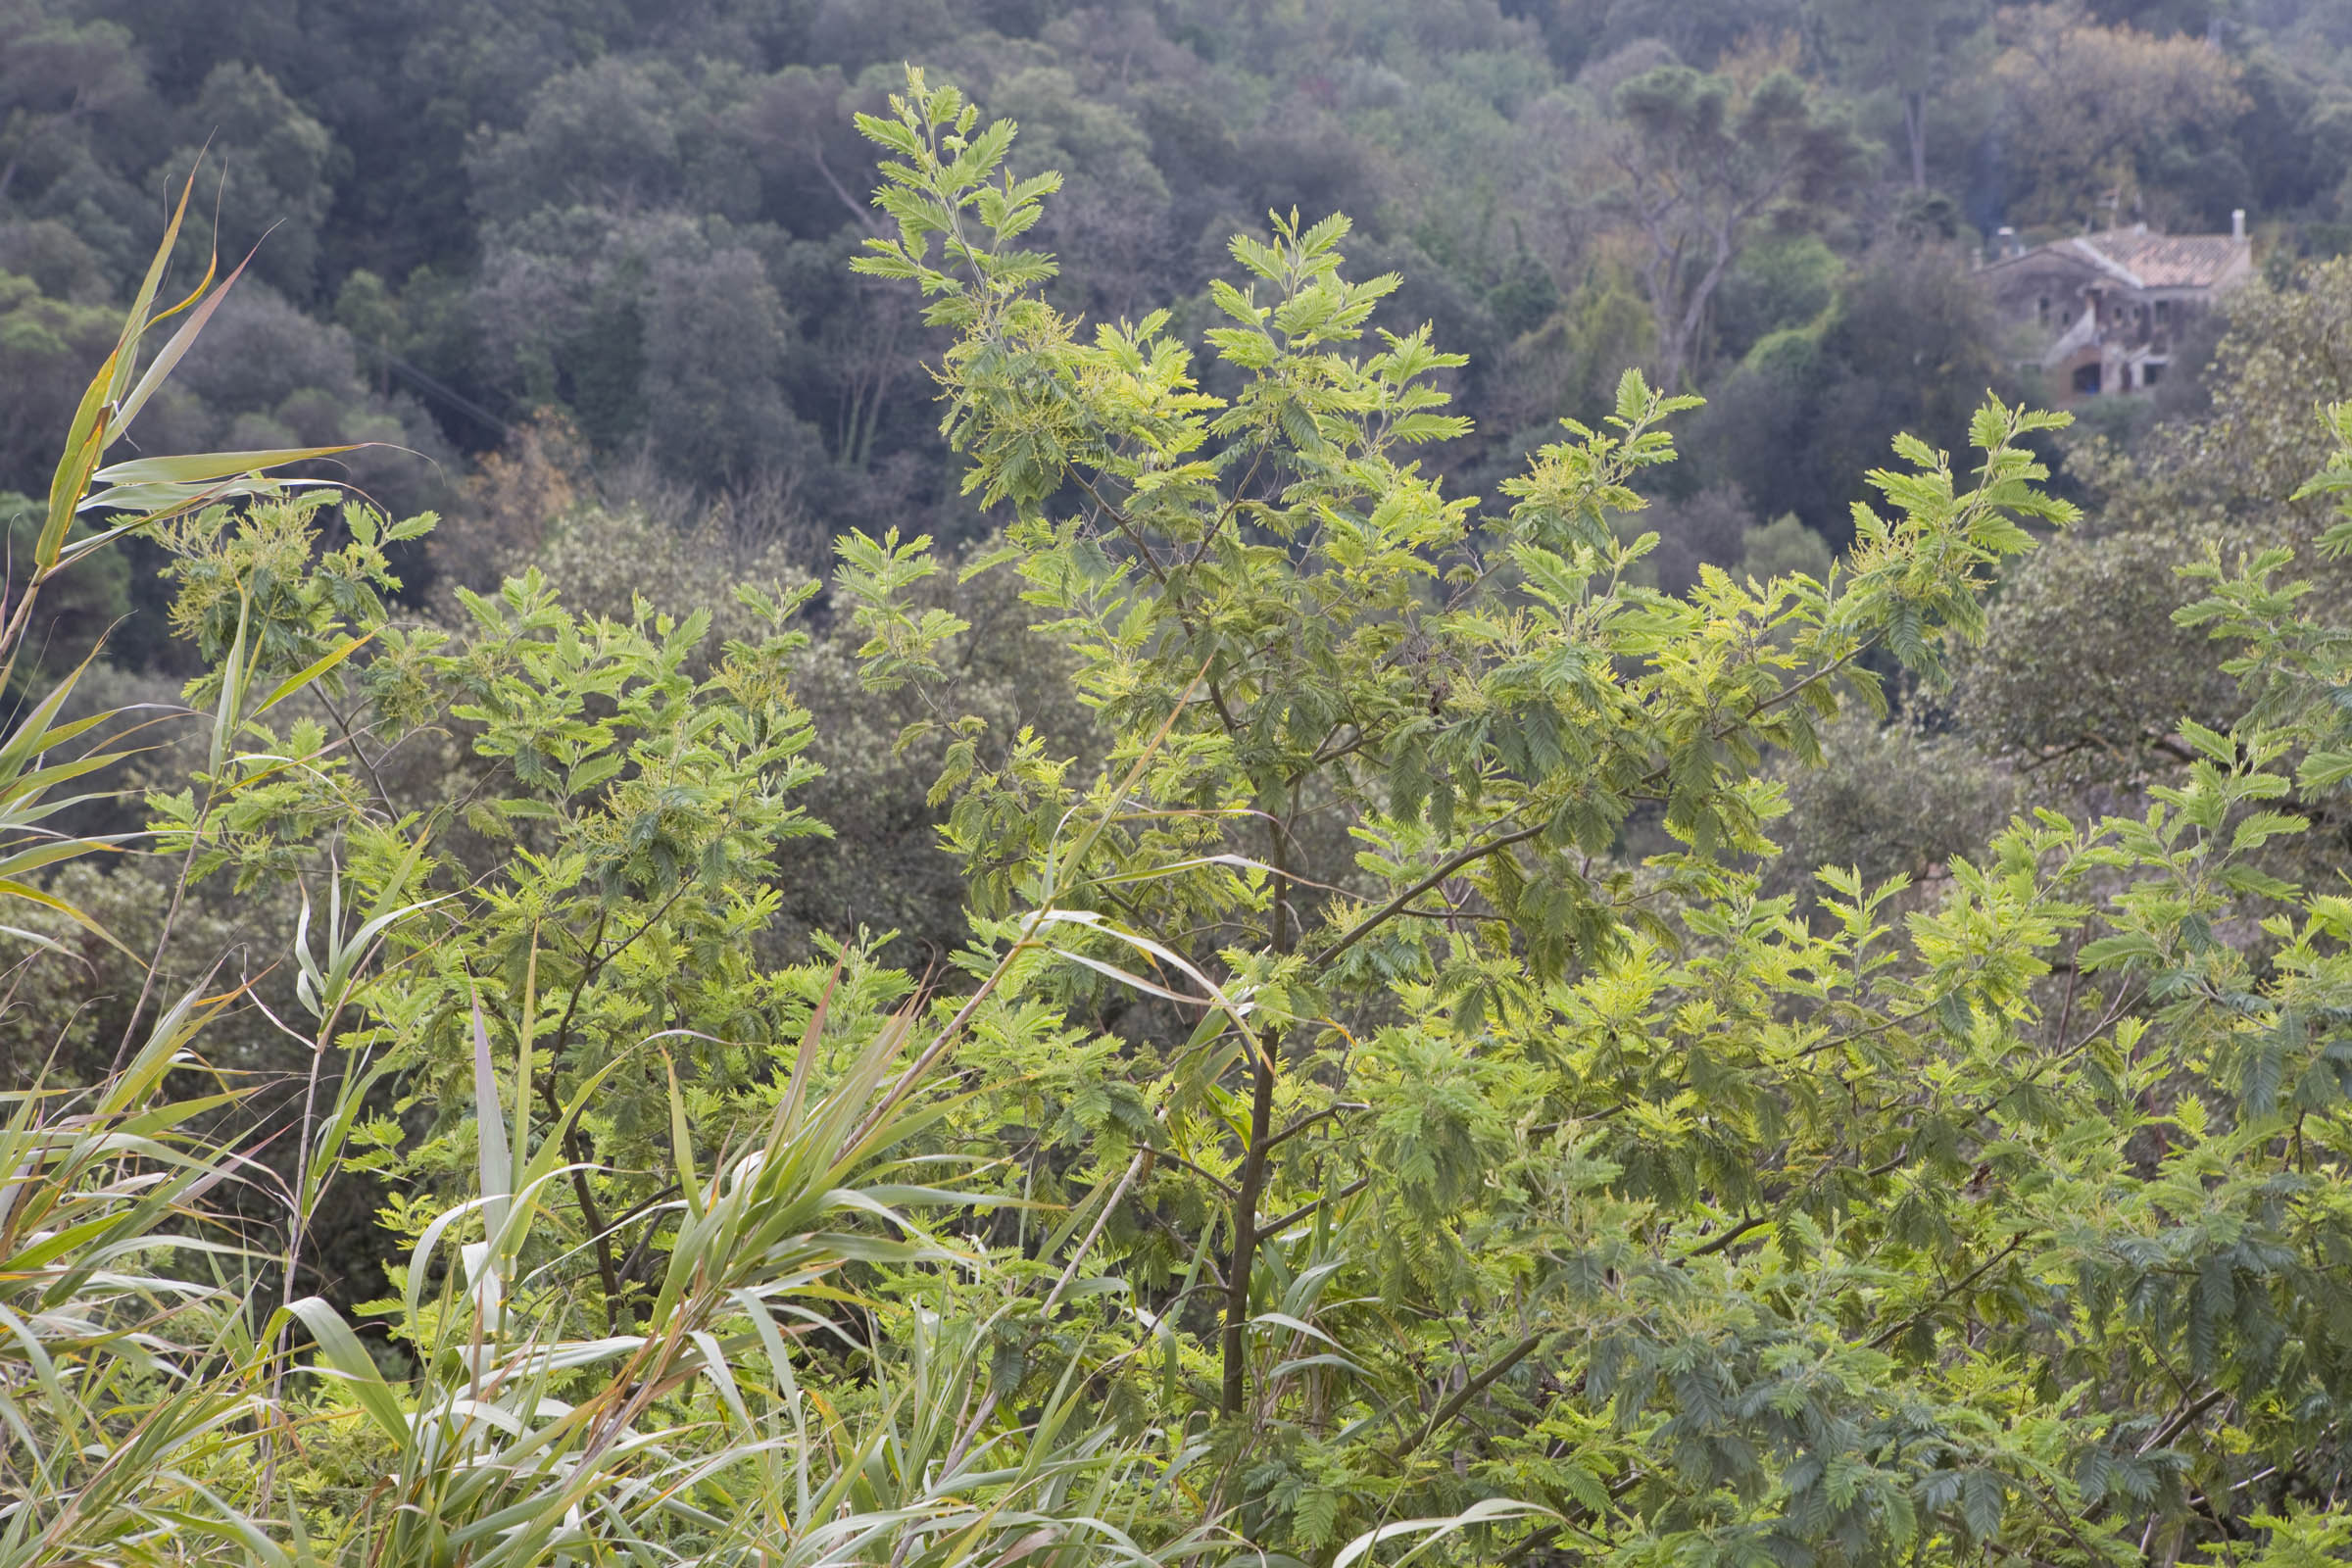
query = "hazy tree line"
{"x": 1715, "y": 984}
{"x": 635, "y": 218}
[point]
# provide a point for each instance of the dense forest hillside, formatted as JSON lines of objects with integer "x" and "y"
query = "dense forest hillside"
{"x": 954, "y": 783}
{"x": 637, "y": 216}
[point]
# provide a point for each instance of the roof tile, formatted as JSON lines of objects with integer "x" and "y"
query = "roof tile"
{"x": 2172, "y": 261}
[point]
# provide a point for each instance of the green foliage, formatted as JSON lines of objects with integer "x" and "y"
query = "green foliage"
{"x": 1269, "y": 598}
{"x": 1393, "y": 1101}
{"x": 620, "y": 826}
{"x": 1775, "y": 287}
{"x": 282, "y": 169}
{"x": 1811, "y": 407}
{"x": 104, "y": 1239}
{"x": 1889, "y": 802}
{"x": 1734, "y": 1228}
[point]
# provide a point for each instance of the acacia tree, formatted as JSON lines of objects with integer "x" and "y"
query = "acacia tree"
{"x": 1374, "y": 748}
{"x": 1522, "y": 1166}
{"x": 1704, "y": 163}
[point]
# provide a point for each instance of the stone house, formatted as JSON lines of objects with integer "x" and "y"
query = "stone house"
{"x": 2102, "y": 313}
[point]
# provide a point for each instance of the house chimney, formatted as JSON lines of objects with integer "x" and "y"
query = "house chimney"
{"x": 2238, "y": 224}
{"x": 2005, "y": 241}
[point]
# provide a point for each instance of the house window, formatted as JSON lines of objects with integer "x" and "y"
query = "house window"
{"x": 2042, "y": 310}
{"x": 2162, "y": 313}
{"x": 2151, "y": 373}
{"x": 2087, "y": 379}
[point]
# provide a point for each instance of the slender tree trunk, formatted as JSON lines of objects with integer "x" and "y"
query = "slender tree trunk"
{"x": 1667, "y": 319}
{"x": 1244, "y": 1229}
{"x": 608, "y": 1269}
{"x": 1264, "y": 1073}
{"x": 1915, "y": 125}
{"x": 883, "y": 378}
{"x": 1678, "y": 333}
{"x": 1670, "y": 350}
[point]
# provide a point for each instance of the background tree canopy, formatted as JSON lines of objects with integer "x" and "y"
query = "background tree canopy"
{"x": 1282, "y": 781}
{"x": 638, "y": 214}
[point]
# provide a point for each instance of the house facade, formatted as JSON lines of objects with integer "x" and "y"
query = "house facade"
{"x": 2102, "y": 313}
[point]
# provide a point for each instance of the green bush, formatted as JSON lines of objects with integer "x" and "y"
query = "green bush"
{"x": 1334, "y": 1139}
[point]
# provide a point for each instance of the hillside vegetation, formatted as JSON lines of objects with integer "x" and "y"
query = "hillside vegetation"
{"x": 1064, "y": 805}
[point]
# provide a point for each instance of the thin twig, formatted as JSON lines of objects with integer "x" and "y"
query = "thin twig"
{"x": 1718, "y": 1243}
{"x": 163, "y": 939}
{"x": 1304, "y": 1122}
{"x": 1219, "y": 1183}
{"x": 1472, "y": 1390}
{"x": 1134, "y": 1168}
{"x": 1275, "y": 1227}
{"x": 2183, "y": 1421}
{"x": 1445, "y": 868}
{"x": 1889, "y": 1336}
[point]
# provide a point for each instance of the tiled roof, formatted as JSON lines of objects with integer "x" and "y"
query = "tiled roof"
{"x": 2169, "y": 261}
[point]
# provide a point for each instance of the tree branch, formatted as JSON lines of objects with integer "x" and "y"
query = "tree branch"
{"x": 1889, "y": 1336}
{"x": 1305, "y": 1210}
{"x": 2183, "y": 1421}
{"x": 1304, "y": 1122}
{"x": 1395, "y": 905}
{"x": 1472, "y": 1390}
